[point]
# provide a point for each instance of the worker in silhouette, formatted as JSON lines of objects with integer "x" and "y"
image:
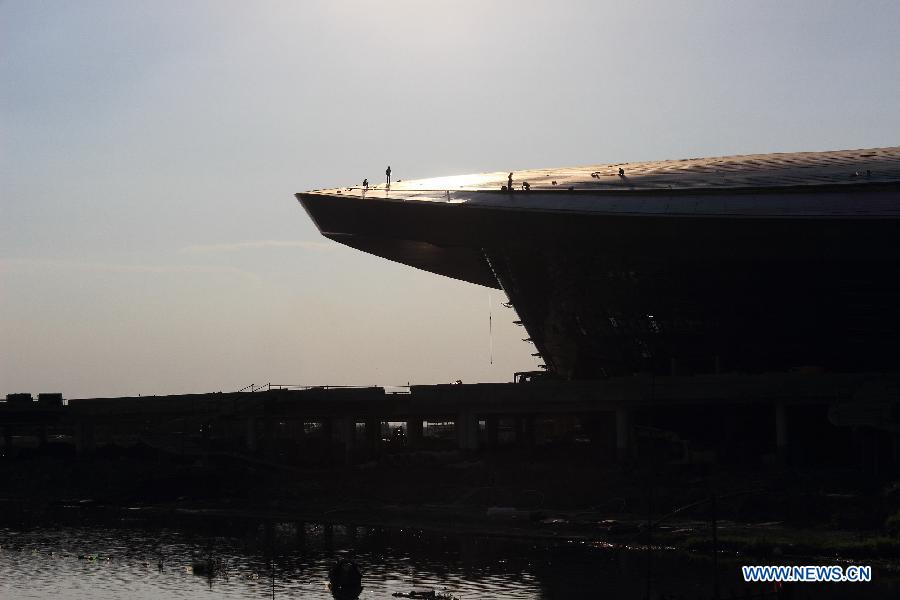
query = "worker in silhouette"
{"x": 387, "y": 173}
{"x": 366, "y": 183}
{"x": 509, "y": 182}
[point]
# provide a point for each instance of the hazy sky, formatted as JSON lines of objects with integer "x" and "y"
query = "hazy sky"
{"x": 149, "y": 152}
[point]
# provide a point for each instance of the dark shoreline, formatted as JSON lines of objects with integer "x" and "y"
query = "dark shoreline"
{"x": 781, "y": 515}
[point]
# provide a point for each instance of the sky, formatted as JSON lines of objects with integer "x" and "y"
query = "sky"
{"x": 150, "y": 242}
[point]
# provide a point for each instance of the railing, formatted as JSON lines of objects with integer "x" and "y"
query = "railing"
{"x": 268, "y": 386}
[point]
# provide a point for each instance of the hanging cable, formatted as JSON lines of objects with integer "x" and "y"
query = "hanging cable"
{"x": 490, "y": 329}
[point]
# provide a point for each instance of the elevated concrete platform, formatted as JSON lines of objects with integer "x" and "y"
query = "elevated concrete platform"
{"x": 850, "y": 400}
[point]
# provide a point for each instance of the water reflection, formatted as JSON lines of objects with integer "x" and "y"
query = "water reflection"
{"x": 280, "y": 560}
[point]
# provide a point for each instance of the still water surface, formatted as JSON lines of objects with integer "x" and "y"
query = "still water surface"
{"x": 291, "y": 560}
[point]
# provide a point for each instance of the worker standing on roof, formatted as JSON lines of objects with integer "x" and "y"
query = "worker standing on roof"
{"x": 509, "y": 182}
{"x": 387, "y": 173}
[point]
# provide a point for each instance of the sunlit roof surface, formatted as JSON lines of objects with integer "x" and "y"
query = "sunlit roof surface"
{"x": 777, "y": 170}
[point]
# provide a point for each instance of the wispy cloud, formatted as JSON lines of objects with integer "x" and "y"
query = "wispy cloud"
{"x": 235, "y": 246}
{"x": 11, "y": 264}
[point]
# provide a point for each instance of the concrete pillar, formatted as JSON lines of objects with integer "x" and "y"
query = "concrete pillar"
{"x": 269, "y": 438}
{"x": 7, "y": 440}
{"x": 251, "y": 439}
{"x": 269, "y": 534}
{"x": 867, "y": 441}
{"x": 297, "y": 430}
{"x": 205, "y": 441}
{"x": 373, "y": 436}
{"x": 492, "y": 425}
{"x": 895, "y": 451}
{"x": 343, "y": 430}
{"x": 623, "y": 433}
{"x": 327, "y": 430}
{"x": 467, "y": 430}
{"x": 84, "y": 438}
{"x": 524, "y": 426}
{"x": 301, "y": 533}
{"x": 781, "y": 432}
{"x": 414, "y": 433}
{"x": 528, "y": 430}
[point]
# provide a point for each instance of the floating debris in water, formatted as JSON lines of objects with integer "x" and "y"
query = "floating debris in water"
{"x": 345, "y": 580}
{"x": 425, "y": 595}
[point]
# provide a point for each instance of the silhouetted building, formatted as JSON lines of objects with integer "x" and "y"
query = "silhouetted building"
{"x": 742, "y": 263}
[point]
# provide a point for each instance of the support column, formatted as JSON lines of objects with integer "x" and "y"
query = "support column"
{"x": 205, "y": 441}
{"x": 269, "y": 442}
{"x": 867, "y": 442}
{"x": 414, "y": 433}
{"x": 623, "y": 434}
{"x": 524, "y": 426}
{"x": 301, "y": 533}
{"x": 343, "y": 431}
{"x": 373, "y": 437}
{"x": 7, "y": 441}
{"x": 466, "y": 431}
{"x": 895, "y": 451}
{"x": 251, "y": 438}
{"x": 84, "y": 438}
{"x": 781, "y": 432}
{"x": 327, "y": 430}
{"x": 300, "y": 437}
{"x": 492, "y": 425}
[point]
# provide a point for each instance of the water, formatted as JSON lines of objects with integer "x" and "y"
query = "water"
{"x": 291, "y": 560}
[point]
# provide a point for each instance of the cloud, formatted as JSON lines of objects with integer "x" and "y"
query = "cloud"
{"x": 10, "y": 264}
{"x": 235, "y": 246}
